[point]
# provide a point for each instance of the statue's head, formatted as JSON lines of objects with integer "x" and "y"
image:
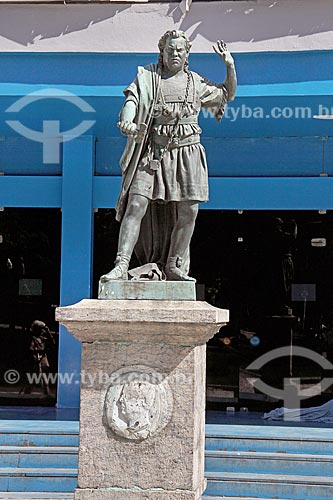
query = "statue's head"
{"x": 174, "y": 47}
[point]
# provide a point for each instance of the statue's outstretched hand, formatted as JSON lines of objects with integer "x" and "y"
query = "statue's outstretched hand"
{"x": 127, "y": 128}
{"x": 222, "y": 51}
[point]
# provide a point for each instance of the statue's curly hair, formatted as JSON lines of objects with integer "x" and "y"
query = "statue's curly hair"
{"x": 173, "y": 34}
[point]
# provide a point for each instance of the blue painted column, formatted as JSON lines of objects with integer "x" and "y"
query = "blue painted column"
{"x": 76, "y": 256}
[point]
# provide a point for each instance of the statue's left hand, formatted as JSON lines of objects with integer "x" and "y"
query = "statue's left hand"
{"x": 222, "y": 51}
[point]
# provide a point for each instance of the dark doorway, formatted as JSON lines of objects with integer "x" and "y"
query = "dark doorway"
{"x": 29, "y": 292}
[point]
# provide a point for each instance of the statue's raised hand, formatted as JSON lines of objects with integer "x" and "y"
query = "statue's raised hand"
{"x": 222, "y": 51}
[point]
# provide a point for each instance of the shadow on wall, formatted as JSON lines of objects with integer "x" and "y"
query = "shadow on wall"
{"x": 31, "y": 24}
{"x": 248, "y": 22}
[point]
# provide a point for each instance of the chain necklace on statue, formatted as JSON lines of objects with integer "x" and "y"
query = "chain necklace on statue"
{"x": 173, "y": 139}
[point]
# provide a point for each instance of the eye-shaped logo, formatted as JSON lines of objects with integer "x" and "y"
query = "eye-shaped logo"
{"x": 51, "y": 136}
{"x": 291, "y": 394}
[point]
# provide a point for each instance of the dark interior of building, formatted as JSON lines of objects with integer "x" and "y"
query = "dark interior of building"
{"x": 29, "y": 291}
{"x": 272, "y": 269}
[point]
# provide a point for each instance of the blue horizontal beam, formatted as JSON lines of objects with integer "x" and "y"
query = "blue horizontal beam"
{"x": 229, "y": 193}
{"x": 278, "y": 193}
{"x": 317, "y": 87}
{"x": 30, "y": 191}
{"x": 323, "y": 87}
{"x": 247, "y": 193}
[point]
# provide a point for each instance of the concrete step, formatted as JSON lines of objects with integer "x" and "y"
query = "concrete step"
{"x": 38, "y": 456}
{"x": 292, "y": 487}
{"x": 292, "y": 440}
{"x": 38, "y": 479}
{"x": 39, "y": 433}
{"x": 35, "y": 495}
{"x": 207, "y": 497}
{"x": 270, "y": 463}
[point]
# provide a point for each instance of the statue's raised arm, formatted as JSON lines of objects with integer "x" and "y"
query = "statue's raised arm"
{"x": 230, "y": 82}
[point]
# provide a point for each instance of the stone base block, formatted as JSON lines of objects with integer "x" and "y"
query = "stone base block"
{"x": 147, "y": 290}
{"x": 116, "y": 453}
{"x": 142, "y": 429}
{"x": 119, "y": 494}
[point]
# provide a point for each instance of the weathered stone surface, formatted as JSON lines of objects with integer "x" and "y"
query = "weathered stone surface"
{"x": 171, "y": 460}
{"x": 123, "y": 454}
{"x": 147, "y": 290}
{"x": 116, "y": 494}
{"x": 154, "y": 321}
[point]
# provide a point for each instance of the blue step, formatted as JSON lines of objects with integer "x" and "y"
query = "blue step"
{"x": 38, "y": 479}
{"x": 269, "y": 439}
{"x": 39, "y": 433}
{"x": 38, "y": 456}
{"x": 36, "y": 495}
{"x": 208, "y": 497}
{"x": 291, "y": 487}
{"x": 272, "y": 463}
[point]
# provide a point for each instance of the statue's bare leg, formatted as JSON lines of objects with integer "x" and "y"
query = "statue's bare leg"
{"x": 128, "y": 236}
{"x": 187, "y": 212}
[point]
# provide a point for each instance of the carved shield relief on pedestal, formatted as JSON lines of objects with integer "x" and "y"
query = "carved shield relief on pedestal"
{"x": 138, "y": 403}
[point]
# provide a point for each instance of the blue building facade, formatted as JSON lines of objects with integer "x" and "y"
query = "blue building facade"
{"x": 270, "y": 152}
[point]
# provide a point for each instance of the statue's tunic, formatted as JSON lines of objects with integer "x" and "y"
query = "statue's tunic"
{"x": 183, "y": 174}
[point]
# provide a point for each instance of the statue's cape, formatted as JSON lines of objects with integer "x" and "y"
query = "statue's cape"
{"x": 145, "y": 88}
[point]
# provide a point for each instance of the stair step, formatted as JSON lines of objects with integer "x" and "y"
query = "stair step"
{"x": 39, "y": 433}
{"x": 269, "y": 439}
{"x": 38, "y": 456}
{"x": 270, "y": 463}
{"x": 38, "y": 479}
{"x": 35, "y": 495}
{"x": 291, "y": 487}
{"x": 206, "y": 497}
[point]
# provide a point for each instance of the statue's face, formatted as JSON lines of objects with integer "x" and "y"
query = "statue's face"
{"x": 174, "y": 54}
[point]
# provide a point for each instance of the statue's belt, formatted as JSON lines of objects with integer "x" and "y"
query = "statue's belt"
{"x": 166, "y": 120}
{"x": 177, "y": 142}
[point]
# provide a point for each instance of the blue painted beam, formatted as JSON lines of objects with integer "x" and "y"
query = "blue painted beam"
{"x": 302, "y": 193}
{"x": 76, "y": 256}
{"x": 30, "y": 191}
{"x": 249, "y": 193}
{"x": 299, "y": 88}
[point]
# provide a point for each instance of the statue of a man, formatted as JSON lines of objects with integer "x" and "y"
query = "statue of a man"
{"x": 164, "y": 165}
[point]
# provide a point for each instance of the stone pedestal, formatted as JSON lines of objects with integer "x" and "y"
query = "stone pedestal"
{"x": 142, "y": 396}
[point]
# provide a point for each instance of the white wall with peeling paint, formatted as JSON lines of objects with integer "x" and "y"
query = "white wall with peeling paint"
{"x": 247, "y": 26}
